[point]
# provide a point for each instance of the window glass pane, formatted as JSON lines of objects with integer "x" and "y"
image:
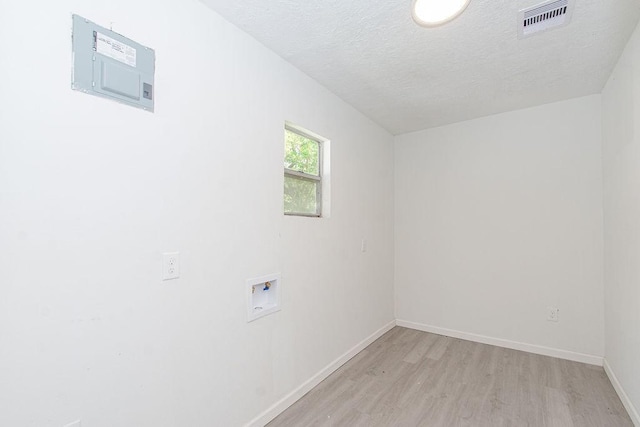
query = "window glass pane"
{"x": 301, "y": 154}
{"x": 300, "y": 196}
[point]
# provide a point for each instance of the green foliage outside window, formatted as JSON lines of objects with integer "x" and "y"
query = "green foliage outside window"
{"x": 301, "y": 154}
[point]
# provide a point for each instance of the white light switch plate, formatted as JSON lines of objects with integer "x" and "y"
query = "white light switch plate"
{"x": 170, "y": 265}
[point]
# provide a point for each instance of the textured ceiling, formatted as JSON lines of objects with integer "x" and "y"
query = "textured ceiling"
{"x": 406, "y": 78}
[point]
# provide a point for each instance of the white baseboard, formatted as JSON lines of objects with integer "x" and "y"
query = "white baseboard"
{"x": 279, "y": 407}
{"x": 514, "y": 345}
{"x": 633, "y": 412}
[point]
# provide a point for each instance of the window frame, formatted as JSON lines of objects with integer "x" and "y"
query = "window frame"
{"x": 295, "y": 174}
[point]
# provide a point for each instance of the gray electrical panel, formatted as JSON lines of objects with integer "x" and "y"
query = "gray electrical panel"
{"x": 109, "y": 65}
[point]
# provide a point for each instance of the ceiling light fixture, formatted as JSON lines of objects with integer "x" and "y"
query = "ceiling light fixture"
{"x": 431, "y": 13}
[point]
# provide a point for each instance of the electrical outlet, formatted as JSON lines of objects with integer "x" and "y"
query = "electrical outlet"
{"x": 553, "y": 314}
{"x": 363, "y": 245}
{"x": 170, "y": 265}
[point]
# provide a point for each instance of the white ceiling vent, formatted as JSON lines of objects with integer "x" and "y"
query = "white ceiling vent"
{"x": 550, "y": 14}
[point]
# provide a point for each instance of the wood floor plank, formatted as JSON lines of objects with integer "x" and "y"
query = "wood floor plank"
{"x": 412, "y": 378}
{"x": 420, "y": 348}
{"x": 557, "y": 412}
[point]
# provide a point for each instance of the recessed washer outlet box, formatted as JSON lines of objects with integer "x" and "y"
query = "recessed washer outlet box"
{"x": 263, "y": 296}
{"x": 111, "y": 66}
{"x": 543, "y": 17}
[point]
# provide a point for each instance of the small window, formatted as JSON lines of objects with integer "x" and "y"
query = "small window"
{"x": 302, "y": 173}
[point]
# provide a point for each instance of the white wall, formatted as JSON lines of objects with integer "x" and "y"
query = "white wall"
{"x": 499, "y": 218}
{"x": 92, "y": 192}
{"x": 621, "y": 154}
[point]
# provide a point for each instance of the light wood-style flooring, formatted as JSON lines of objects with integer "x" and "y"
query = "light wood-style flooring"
{"x": 412, "y": 378}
